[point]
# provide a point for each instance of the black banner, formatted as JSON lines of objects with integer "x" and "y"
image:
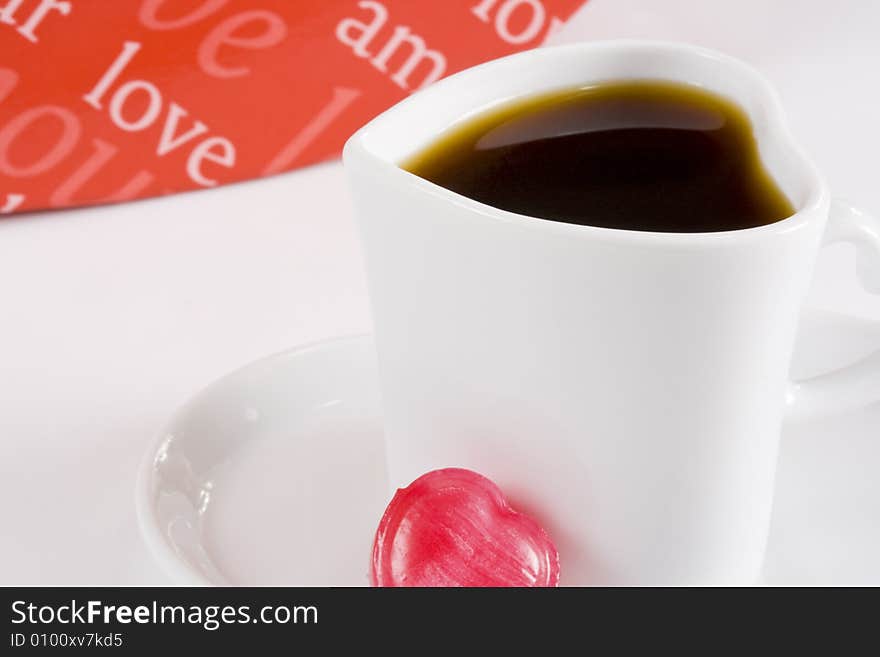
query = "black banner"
{"x": 377, "y": 620}
{"x": 115, "y": 619}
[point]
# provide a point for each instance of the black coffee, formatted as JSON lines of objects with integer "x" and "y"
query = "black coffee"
{"x": 637, "y": 155}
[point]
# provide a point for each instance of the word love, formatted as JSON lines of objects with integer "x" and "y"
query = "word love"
{"x": 212, "y": 148}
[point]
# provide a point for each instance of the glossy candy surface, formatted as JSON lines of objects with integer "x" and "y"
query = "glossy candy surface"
{"x": 453, "y": 527}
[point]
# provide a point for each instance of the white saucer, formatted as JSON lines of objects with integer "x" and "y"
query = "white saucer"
{"x": 275, "y": 474}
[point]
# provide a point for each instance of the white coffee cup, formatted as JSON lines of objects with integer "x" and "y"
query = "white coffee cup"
{"x": 626, "y": 388}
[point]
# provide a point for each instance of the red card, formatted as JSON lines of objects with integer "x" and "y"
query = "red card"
{"x": 109, "y": 101}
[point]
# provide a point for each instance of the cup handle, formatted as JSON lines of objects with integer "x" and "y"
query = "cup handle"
{"x": 858, "y": 384}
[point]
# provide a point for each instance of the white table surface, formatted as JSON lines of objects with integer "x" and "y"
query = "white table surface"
{"x": 110, "y": 317}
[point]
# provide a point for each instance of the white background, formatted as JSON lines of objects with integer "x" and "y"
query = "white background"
{"x": 111, "y": 317}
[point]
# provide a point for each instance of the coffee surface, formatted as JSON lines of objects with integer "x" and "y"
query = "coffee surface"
{"x": 635, "y": 155}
